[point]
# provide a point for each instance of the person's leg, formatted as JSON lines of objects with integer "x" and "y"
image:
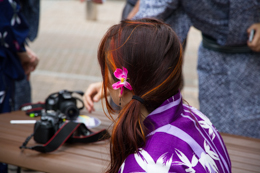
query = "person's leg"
{"x": 229, "y": 91}
{"x": 22, "y": 93}
{"x": 245, "y": 90}
{"x": 6, "y": 93}
{"x": 214, "y": 90}
{"x": 6, "y": 102}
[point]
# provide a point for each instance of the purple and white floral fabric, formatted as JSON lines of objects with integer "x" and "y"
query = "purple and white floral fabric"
{"x": 180, "y": 139}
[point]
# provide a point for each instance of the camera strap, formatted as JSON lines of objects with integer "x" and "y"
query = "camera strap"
{"x": 33, "y": 108}
{"x": 70, "y": 132}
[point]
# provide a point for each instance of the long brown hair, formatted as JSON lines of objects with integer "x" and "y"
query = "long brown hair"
{"x": 151, "y": 52}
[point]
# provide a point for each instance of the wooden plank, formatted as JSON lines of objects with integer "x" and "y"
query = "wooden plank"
{"x": 241, "y": 141}
{"x": 239, "y": 170}
{"x": 244, "y": 153}
{"x": 52, "y": 162}
{"x": 248, "y": 161}
{"x": 245, "y": 167}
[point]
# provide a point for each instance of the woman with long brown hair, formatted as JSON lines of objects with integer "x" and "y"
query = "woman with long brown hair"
{"x": 141, "y": 66}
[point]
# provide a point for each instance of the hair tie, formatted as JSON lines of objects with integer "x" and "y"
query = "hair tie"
{"x": 138, "y": 99}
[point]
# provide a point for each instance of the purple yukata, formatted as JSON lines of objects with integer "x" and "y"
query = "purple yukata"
{"x": 180, "y": 139}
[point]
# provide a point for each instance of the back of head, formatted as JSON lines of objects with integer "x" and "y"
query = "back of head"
{"x": 151, "y": 52}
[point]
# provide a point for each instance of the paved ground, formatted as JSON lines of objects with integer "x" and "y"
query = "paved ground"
{"x": 67, "y": 46}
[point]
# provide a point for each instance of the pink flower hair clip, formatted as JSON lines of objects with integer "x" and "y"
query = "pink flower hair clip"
{"x": 122, "y": 76}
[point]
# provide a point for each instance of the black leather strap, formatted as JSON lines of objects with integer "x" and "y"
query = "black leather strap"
{"x": 66, "y": 134}
{"x": 58, "y": 138}
{"x": 91, "y": 137}
{"x": 211, "y": 43}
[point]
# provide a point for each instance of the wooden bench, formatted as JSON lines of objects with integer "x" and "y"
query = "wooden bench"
{"x": 94, "y": 158}
{"x": 244, "y": 153}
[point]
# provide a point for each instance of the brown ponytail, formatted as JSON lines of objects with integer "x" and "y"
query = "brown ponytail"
{"x": 151, "y": 52}
{"x": 127, "y": 135}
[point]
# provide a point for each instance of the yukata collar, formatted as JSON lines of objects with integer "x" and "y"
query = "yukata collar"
{"x": 165, "y": 114}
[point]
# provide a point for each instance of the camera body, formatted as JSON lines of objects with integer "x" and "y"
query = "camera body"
{"x": 49, "y": 124}
{"x": 64, "y": 102}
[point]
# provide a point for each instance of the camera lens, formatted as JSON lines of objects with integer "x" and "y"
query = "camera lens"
{"x": 70, "y": 110}
{"x": 72, "y": 113}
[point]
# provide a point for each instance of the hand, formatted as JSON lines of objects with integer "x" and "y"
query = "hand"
{"x": 255, "y": 44}
{"x": 93, "y": 94}
{"x": 29, "y": 61}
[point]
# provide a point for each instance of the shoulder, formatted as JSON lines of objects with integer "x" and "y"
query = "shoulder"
{"x": 162, "y": 154}
{"x": 189, "y": 143}
{"x": 179, "y": 161}
{"x": 178, "y": 157}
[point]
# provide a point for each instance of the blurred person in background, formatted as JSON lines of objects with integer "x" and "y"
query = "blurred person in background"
{"x": 228, "y": 62}
{"x": 30, "y": 9}
{"x": 16, "y": 61}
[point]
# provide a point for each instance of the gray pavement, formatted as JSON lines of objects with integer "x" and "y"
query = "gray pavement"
{"x": 67, "y": 47}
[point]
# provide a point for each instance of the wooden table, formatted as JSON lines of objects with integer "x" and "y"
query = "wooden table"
{"x": 244, "y": 153}
{"x": 88, "y": 158}
{"x": 94, "y": 158}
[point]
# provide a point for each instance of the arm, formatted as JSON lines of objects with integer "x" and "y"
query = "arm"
{"x": 134, "y": 10}
{"x": 255, "y": 44}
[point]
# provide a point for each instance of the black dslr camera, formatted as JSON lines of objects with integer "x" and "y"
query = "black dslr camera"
{"x": 49, "y": 124}
{"x": 65, "y": 102}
